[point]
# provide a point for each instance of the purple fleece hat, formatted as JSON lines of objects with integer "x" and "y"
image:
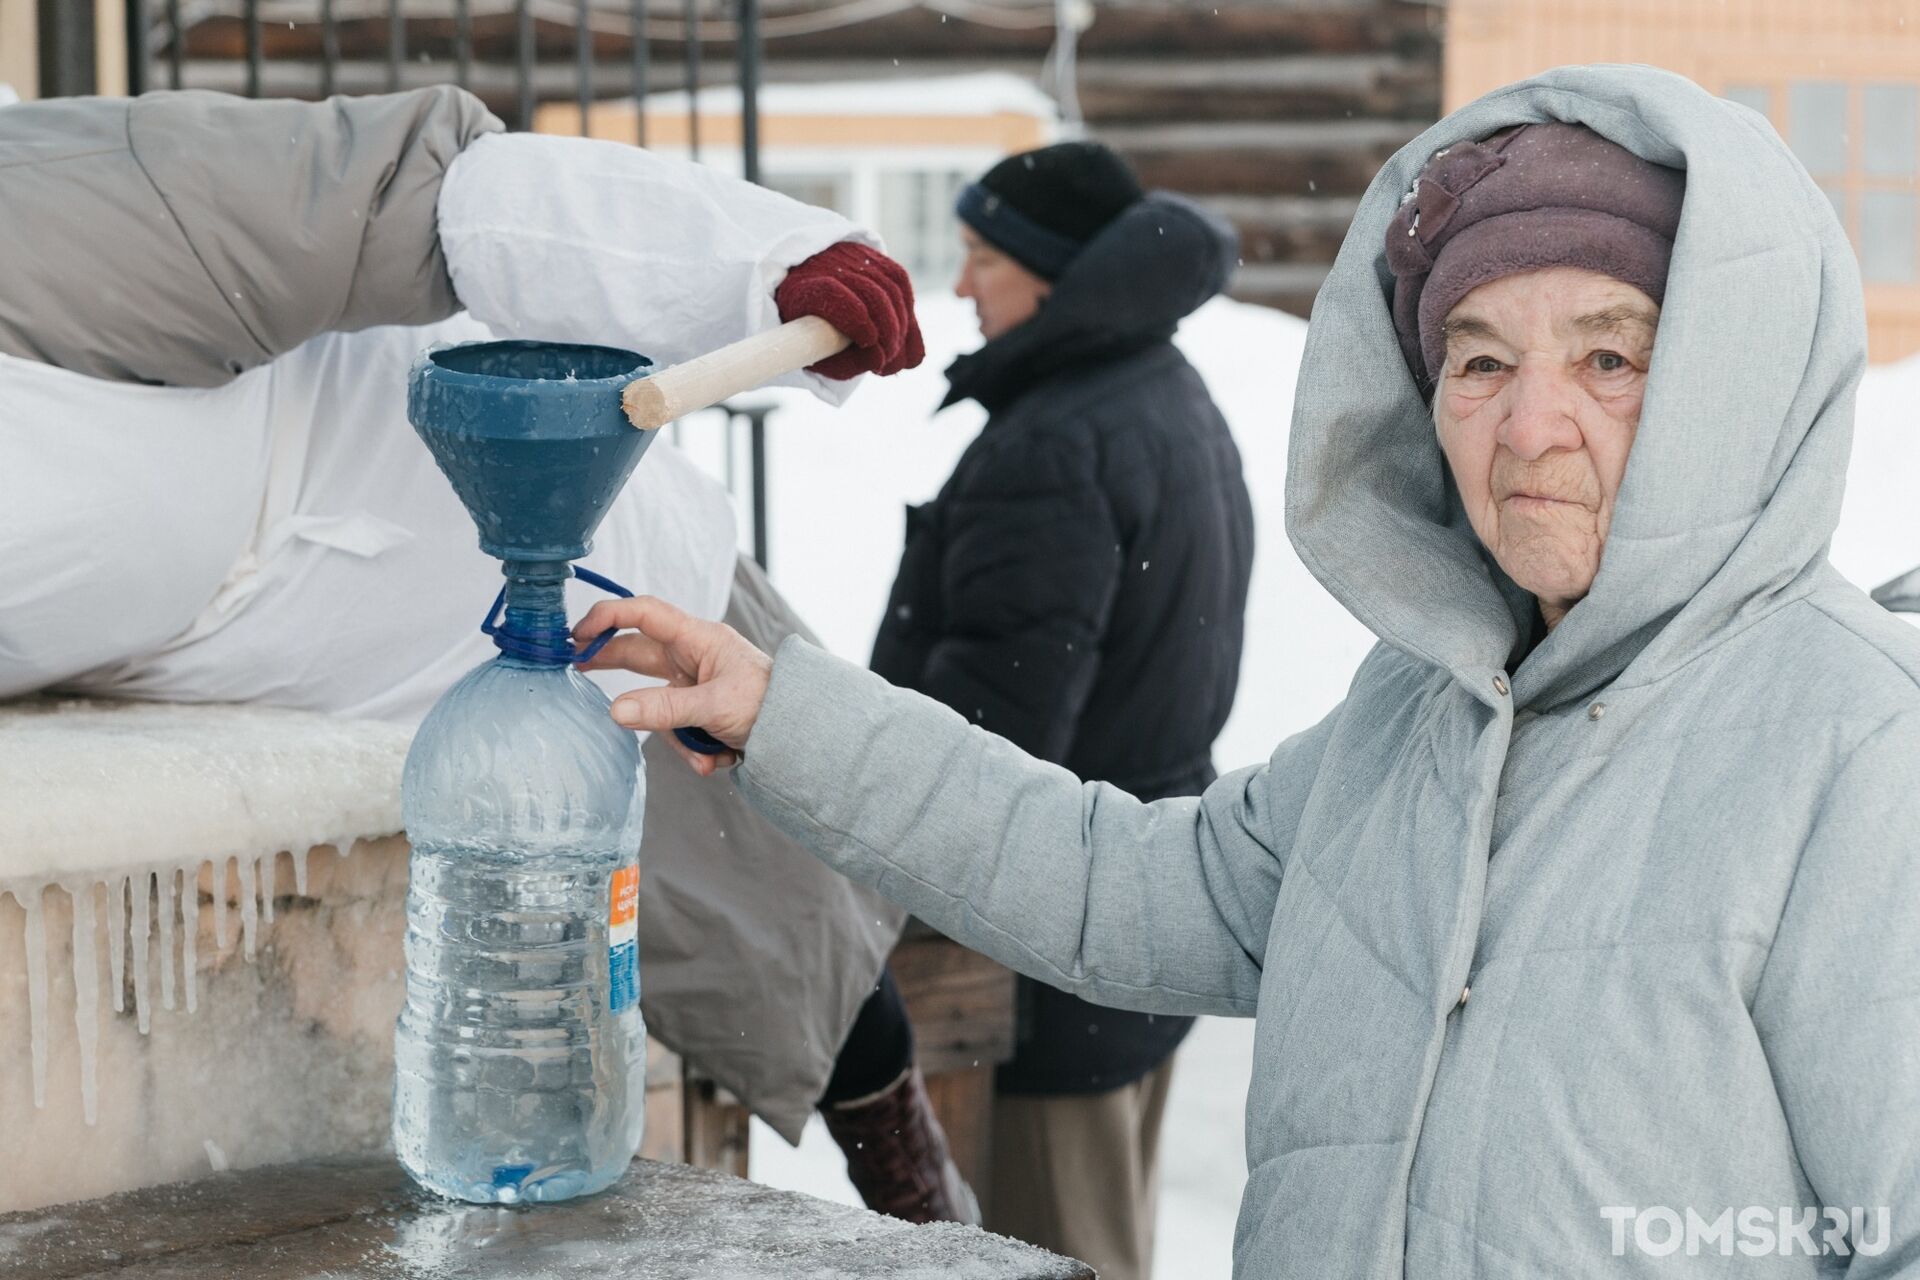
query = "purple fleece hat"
{"x": 1537, "y": 195}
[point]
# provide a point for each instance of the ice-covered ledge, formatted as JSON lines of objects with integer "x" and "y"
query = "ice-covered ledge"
{"x": 84, "y": 783}
{"x": 201, "y": 978}
{"x": 362, "y": 1220}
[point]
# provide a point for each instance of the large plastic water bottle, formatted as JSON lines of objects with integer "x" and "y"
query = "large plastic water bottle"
{"x": 520, "y": 1058}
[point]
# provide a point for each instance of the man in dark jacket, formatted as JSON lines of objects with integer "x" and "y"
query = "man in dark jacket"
{"x": 1078, "y": 587}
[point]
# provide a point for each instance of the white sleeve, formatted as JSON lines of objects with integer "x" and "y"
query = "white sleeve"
{"x": 580, "y": 240}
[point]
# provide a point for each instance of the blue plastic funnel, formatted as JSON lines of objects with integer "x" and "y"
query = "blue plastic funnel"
{"x": 532, "y": 437}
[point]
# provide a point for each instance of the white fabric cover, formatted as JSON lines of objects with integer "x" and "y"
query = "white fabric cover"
{"x": 668, "y": 258}
{"x": 286, "y": 538}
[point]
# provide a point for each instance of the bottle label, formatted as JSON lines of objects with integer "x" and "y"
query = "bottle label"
{"x": 623, "y": 939}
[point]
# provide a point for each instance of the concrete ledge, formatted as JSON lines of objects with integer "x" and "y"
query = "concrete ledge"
{"x": 365, "y": 1219}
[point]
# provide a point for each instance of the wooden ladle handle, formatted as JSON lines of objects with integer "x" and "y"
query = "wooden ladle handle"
{"x": 704, "y": 381}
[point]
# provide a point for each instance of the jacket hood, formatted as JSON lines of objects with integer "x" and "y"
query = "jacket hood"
{"x": 1147, "y": 270}
{"x": 1733, "y": 486}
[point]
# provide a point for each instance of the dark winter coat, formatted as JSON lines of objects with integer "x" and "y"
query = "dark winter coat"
{"x": 1078, "y": 585}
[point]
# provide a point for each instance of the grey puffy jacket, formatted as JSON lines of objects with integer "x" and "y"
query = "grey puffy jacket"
{"x": 1631, "y": 927}
{"x": 219, "y": 232}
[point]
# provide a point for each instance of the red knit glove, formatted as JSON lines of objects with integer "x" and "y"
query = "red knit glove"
{"x": 864, "y": 294}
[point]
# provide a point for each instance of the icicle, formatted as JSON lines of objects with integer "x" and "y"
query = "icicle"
{"x": 166, "y": 912}
{"x": 37, "y": 993}
{"x": 142, "y": 923}
{"x": 220, "y": 903}
{"x": 269, "y": 865}
{"x": 300, "y": 872}
{"x": 117, "y": 940}
{"x": 86, "y": 998}
{"x": 190, "y": 932}
{"x": 249, "y": 909}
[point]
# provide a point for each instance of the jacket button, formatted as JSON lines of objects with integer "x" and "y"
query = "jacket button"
{"x": 1464, "y": 993}
{"x": 1500, "y": 685}
{"x": 1597, "y": 710}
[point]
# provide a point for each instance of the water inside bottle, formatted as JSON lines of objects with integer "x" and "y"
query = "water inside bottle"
{"x": 520, "y": 1068}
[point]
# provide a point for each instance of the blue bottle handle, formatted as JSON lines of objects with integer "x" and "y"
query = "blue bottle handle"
{"x": 696, "y": 740}
{"x": 700, "y": 741}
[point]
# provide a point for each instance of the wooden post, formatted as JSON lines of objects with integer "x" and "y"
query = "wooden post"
{"x": 962, "y": 1006}
{"x": 716, "y": 1128}
{"x": 666, "y": 1137}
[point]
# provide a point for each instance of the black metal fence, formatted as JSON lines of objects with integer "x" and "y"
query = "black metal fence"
{"x": 418, "y": 41}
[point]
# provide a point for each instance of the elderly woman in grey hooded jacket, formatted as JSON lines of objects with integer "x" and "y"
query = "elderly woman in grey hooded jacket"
{"x": 1582, "y": 936}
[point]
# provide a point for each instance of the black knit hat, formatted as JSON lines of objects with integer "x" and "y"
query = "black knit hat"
{"x": 1041, "y": 207}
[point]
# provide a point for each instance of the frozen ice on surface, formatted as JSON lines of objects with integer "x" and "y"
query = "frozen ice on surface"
{"x": 117, "y": 940}
{"x": 249, "y": 909}
{"x": 86, "y": 998}
{"x": 358, "y": 1217}
{"x": 177, "y": 890}
{"x": 190, "y": 933}
{"x": 37, "y": 994}
{"x": 15, "y": 1236}
{"x": 135, "y": 800}
{"x": 165, "y": 880}
{"x": 220, "y": 902}
{"x": 189, "y": 783}
{"x": 283, "y": 1059}
{"x": 142, "y": 913}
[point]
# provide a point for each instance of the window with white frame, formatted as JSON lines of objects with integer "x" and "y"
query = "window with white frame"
{"x": 908, "y": 201}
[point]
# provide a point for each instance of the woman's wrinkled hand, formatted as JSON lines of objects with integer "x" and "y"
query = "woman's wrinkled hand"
{"x": 715, "y": 678}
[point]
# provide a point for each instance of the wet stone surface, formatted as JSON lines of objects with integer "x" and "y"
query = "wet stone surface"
{"x": 365, "y": 1218}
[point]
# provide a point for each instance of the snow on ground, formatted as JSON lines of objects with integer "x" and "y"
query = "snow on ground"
{"x": 839, "y": 480}
{"x": 1879, "y": 534}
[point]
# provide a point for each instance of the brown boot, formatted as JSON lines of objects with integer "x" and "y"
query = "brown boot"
{"x": 897, "y": 1154}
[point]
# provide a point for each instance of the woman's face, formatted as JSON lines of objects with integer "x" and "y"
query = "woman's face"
{"x": 1005, "y": 294}
{"x": 1536, "y": 409}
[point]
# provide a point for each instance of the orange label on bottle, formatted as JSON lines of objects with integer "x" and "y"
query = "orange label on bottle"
{"x": 626, "y": 896}
{"x": 623, "y": 938}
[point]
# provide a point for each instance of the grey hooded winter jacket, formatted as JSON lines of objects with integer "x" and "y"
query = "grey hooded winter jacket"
{"x": 1672, "y": 856}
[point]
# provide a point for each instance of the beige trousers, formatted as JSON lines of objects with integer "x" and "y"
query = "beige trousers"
{"x": 1078, "y": 1173}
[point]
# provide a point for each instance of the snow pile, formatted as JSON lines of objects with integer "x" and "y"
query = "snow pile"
{"x": 1879, "y": 535}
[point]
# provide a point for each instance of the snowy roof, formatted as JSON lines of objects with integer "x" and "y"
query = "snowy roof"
{"x": 984, "y": 94}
